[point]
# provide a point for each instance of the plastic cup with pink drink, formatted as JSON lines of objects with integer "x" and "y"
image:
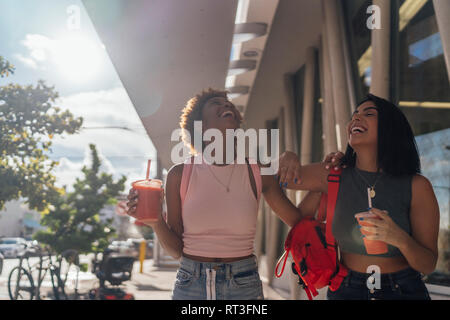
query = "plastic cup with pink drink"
{"x": 149, "y": 198}
{"x": 372, "y": 246}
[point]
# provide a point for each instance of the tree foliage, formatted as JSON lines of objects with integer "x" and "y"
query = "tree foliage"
{"x": 73, "y": 219}
{"x": 29, "y": 120}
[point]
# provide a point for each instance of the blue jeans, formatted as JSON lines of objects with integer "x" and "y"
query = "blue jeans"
{"x": 237, "y": 280}
{"x": 402, "y": 285}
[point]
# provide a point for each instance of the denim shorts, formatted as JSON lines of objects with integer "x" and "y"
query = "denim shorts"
{"x": 238, "y": 280}
{"x": 406, "y": 284}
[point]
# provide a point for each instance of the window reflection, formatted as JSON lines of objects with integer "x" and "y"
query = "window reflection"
{"x": 424, "y": 92}
{"x": 355, "y": 15}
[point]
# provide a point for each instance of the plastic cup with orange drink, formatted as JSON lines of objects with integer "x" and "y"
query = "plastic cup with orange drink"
{"x": 372, "y": 246}
{"x": 149, "y": 198}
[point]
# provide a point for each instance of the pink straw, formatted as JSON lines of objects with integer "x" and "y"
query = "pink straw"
{"x": 369, "y": 198}
{"x": 148, "y": 169}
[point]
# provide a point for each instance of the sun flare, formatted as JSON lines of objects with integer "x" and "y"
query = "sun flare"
{"x": 77, "y": 57}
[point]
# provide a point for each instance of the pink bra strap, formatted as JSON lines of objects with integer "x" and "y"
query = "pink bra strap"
{"x": 257, "y": 175}
{"x": 187, "y": 171}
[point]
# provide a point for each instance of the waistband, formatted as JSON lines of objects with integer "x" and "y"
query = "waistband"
{"x": 197, "y": 267}
{"x": 386, "y": 278}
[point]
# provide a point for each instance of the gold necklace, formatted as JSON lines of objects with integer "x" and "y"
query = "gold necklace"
{"x": 372, "y": 187}
{"x": 227, "y": 187}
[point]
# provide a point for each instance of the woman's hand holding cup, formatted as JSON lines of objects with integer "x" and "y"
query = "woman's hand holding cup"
{"x": 132, "y": 204}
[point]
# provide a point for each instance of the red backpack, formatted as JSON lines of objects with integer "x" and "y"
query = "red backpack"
{"x": 313, "y": 247}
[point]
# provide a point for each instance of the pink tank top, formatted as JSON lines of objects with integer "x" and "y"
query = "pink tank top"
{"x": 217, "y": 223}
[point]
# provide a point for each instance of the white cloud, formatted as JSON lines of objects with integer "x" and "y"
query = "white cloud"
{"x": 67, "y": 170}
{"x": 26, "y": 61}
{"x": 122, "y": 152}
{"x": 40, "y": 49}
{"x": 77, "y": 56}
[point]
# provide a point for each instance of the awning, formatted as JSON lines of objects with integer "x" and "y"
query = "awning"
{"x": 31, "y": 223}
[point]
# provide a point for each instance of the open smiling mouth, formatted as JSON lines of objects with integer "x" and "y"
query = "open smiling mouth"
{"x": 227, "y": 114}
{"x": 357, "y": 130}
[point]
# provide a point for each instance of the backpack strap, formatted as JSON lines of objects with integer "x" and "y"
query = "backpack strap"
{"x": 334, "y": 179}
{"x": 186, "y": 176}
{"x": 283, "y": 259}
{"x": 257, "y": 178}
{"x": 322, "y": 207}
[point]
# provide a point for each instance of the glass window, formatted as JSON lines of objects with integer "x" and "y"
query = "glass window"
{"x": 299, "y": 85}
{"x": 424, "y": 97}
{"x": 317, "y": 136}
{"x": 359, "y": 37}
{"x": 434, "y": 151}
{"x": 424, "y": 94}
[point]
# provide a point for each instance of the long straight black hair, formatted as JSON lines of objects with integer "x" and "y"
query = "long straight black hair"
{"x": 397, "y": 149}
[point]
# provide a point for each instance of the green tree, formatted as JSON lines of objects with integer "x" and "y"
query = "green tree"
{"x": 73, "y": 219}
{"x": 29, "y": 120}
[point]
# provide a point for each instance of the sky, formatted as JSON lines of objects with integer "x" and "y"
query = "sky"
{"x": 54, "y": 40}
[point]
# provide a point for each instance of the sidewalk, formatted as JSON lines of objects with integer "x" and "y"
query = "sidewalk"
{"x": 156, "y": 283}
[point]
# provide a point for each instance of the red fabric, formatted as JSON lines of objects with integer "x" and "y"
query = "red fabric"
{"x": 313, "y": 247}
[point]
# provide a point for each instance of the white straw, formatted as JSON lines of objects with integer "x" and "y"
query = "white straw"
{"x": 369, "y": 198}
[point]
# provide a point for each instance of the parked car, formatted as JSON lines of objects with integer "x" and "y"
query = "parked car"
{"x": 12, "y": 247}
{"x": 123, "y": 247}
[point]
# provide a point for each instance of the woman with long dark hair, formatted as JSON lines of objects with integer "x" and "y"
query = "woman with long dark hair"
{"x": 381, "y": 168}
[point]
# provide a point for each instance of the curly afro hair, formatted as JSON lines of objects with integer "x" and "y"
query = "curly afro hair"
{"x": 193, "y": 112}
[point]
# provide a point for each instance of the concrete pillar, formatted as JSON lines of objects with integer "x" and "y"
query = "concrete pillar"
{"x": 308, "y": 107}
{"x": 157, "y": 249}
{"x": 290, "y": 131}
{"x": 381, "y": 49}
{"x": 442, "y": 11}
{"x": 290, "y": 142}
{"x": 275, "y": 223}
{"x": 338, "y": 72}
{"x": 348, "y": 64}
{"x": 328, "y": 116}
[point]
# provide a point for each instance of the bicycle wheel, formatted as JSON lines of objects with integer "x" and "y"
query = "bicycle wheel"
{"x": 20, "y": 284}
{"x": 57, "y": 284}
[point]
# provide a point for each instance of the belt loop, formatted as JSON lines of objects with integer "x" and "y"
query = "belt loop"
{"x": 347, "y": 278}
{"x": 392, "y": 282}
{"x": 228, "y": 271}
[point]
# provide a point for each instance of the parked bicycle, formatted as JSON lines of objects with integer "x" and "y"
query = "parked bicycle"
{"x": 21, "y": 282}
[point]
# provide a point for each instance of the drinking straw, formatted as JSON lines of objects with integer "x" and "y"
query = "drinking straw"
{"x": 148, "y": 169}
{"x": 370, "y": 199}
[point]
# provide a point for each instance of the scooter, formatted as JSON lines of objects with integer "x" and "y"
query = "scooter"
{"x": 114, "y": 268}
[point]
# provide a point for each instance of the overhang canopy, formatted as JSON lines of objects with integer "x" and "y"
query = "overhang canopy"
{"x": 165, "y": 51}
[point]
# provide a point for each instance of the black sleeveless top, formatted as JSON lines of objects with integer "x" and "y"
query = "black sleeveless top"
{"x": 393, "y": 194}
